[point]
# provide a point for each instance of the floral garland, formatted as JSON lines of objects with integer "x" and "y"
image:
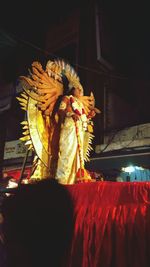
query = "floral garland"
{"x": 80, "y": 112}
{"x": 76, "y": 106}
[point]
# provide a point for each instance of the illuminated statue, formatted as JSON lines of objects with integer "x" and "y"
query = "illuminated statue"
{"x": 59, "y": 122}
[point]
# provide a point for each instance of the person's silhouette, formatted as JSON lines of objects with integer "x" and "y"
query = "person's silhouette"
{"x": 38, "y": 224}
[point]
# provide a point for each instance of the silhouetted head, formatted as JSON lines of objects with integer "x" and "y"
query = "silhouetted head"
{"x": 38, "y": 224}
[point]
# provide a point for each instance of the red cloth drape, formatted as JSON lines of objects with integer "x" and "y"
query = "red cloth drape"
{"x": 112, "y": 224}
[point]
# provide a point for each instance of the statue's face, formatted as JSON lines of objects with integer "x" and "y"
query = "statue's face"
{"x": 78, "y": 92}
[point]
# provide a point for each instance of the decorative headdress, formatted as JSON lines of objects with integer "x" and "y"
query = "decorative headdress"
{"x": 61, "y": 68}
{"x": 45, "y": 86}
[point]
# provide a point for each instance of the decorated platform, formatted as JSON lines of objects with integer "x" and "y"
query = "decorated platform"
{"x": 112, "y": 224}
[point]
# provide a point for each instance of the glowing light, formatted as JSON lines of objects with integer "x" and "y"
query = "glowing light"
{"x": 11, "y": 184}
{"x": 128, "y": 169}
{"x": 139, "y": 168}
{"x": 132, "y": 168}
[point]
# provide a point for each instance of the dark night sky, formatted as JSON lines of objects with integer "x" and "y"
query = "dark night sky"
{"x": 30, "y": 19}
{"x": 130, "y": 23}
{"x": 27, "y": 22}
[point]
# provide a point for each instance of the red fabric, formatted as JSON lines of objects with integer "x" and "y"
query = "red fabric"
{"x": 15, "y": 174}
{"x": 112, "y": 224}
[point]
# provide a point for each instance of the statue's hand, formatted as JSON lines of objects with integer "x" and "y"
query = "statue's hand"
{"x": 89, "y": 103}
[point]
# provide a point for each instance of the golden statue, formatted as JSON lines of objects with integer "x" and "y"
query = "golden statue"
{"x": 59, "y": 125}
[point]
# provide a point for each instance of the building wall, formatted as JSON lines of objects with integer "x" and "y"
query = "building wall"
{"x": 75, "y": 41}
